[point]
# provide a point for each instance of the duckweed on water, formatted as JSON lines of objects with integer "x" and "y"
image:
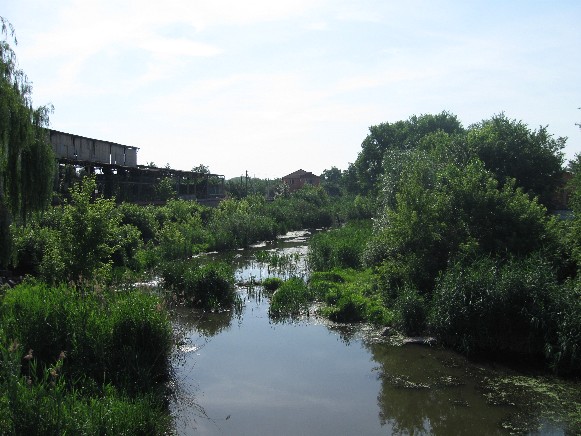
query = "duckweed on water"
{"x": 538, "y": 398}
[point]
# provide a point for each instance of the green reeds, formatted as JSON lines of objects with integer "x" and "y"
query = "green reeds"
{"x": 82, "y": 361}
{"x": 208, "y": 286}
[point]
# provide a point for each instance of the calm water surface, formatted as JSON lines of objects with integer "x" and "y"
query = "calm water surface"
{"x": 240, "y": 373}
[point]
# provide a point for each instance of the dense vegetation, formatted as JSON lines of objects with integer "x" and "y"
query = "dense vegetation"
{"x": 463, "y": 244}
{"x": 26, "y": 163}
{"x": 439, "y": 229}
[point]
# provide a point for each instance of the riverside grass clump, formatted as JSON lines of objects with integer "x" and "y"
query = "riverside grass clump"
{"x": 194, "y": 284}
{"x": 346, "y": 295}
{"x": 510, "y": 307}
{"x": 292, "y": 298}
{"x": 82, "y": 361}
{"x": 350, "y": 296}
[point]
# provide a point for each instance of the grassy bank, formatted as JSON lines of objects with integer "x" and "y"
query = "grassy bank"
{"x": 83, "y": 360}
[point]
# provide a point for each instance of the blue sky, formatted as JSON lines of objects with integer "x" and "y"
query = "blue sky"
{"x": 270, "y": 87}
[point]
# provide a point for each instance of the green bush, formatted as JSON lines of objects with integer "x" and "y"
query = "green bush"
{"x": 142, "y": 217}
{"x": 350, "y": 296}
{"x": 271, "y": 284}
{"x": 443, "y": 209}
{"x": 75, "y": 241}
{"x": 339, "y": 248}
{"x": 206, "y": 286}
{"x": 292, "y": 298}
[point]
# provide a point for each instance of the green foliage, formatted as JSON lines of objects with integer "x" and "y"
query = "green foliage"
{"x": 239, "y": 223}
{"x": 339, "y": 248}
{"x": 565, "y": 354}
{"x": 411, "y": 311}
{"x": 119, "y": 338}
{"x": 511, "y": 150}
{"x": 207, "y": 286}
{"x": 398, "y": 136}
{"x": 241, "y": 187}
{"x": 292, "y": 298}
{"x": 165, "y": 189}
{"x": 442, "y": 210}
{"x": 79, "y": 239}
{"x": 350, "y": 296}
{"x": 500, "y": 307}
{"x": 142, "y": 217}
{"x": 26, "y": 158}
{"x": 271, "y": 284}
{"x": 332, "y": 182}
{"x": 309, "y": 207}
{"x": 572, "y": 227}
{"x": 44, "y": 406}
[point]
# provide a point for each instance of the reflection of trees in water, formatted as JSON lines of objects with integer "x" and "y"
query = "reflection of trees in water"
{"x": 213, "y": 323}
{"x": 420, "y": 395}
{"x": 207, "y": 324}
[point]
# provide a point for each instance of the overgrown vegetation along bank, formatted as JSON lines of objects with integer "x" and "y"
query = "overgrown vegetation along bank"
{"x": 461, "y": 247}
{"x": 86, "y": 237}
{"x": 83, "y": 360}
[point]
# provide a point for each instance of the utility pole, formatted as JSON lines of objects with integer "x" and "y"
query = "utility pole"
{"x": 246, "y": 183}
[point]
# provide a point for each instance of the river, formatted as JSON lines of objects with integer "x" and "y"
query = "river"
{"x": 241, "y": 373}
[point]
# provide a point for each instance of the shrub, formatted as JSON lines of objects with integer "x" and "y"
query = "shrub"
{"x": 339, "y": 248}
{"x": 442, "y": 208}
{"x": 271, "y": 284}
{"x": 142, "y": 217}
{"x": 350, "y": 296}
{"x": 73, "y": 241}
{"x": 205, "y": 286}
{"x": 292, "y": 298}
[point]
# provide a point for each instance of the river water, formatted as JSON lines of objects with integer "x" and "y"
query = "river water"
{"x": 241, "y": 373}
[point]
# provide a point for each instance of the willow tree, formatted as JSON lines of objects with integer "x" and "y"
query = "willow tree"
{"x": 26, "y": 159}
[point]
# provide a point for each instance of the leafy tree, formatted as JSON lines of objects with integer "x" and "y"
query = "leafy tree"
{"x": 202, "y": 169}
{"x": 443, "y": 210}
{"x": 510, "y": 149}
{"x": 332, "y": 181}
{"x": 26, "y": 159}
{"x": 401, "y": 136}
{"x": 165, "y": 189}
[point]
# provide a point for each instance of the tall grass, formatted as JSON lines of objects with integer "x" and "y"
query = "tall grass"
{"x": 83, "y": 361}
{"x": 194, "y": 284}
{"x": 121, "y": 338}
{"x": 501, "y": 307}
{"x": 339, "y": 248}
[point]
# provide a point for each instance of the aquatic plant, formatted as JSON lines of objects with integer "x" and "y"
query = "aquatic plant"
{"x": 350, "y": 296}
{"x": 292, "y": 298}
{"x": 208, "y": 285}
{"x": 271, "y": 284}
